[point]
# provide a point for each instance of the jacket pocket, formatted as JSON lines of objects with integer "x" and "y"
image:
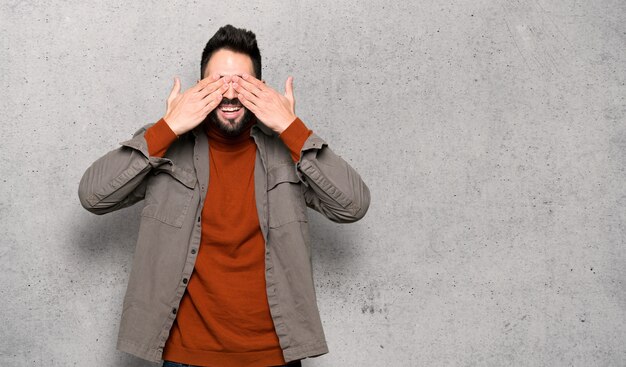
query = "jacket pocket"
{"x": 285, "y": 196}
{"x": 168, "y": 195}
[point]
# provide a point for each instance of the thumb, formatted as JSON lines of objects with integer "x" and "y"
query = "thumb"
{"x": 175, "y": 89}
{"x": 289, "y": 88}
{"x": 289, "y": 91}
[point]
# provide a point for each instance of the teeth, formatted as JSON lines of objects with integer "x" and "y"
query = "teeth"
{"x": 230, "y": 109}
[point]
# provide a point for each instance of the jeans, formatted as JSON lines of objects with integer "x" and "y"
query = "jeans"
{"x": 176, "y": 364}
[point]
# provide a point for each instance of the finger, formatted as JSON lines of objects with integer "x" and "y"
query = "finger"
{"x": 247, "y": 86}
{"x": 219, "y": 92}
{"x": 212, "y": 87}
{"x": 209, "y": 91}
{"x": 205, "y": 82}
{"x": 289, "y": 93}
{"x": 256, "y": 82}
{"x": 211, "y": 104}
{"x": 247, "y": 103}
{"x": 175, "y": 89}
{"x": 289, "y": 89}
{"x": 247, "y": 95}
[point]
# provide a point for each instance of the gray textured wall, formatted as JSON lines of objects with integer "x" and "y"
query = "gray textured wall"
{"x": 491, "y": 135}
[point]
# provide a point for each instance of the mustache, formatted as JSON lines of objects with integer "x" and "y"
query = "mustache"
{"x": 230, "y": 102}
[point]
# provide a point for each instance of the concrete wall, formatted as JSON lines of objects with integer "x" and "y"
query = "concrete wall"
{"x": 491, "y": 135}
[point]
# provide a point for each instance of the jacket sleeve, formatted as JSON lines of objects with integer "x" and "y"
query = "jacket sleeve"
{"x": 118, "y": 179}
{"x": 333, "y": 187}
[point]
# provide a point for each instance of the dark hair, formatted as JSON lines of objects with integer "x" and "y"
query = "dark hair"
{"x": 236, "y": 40}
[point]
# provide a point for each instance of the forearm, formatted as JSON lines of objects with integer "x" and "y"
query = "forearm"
{"x": 116, "y": 179}
{"x": 334, "y": 188}
{"x": 159, "y": 137}
{"x": 294, "y": 137}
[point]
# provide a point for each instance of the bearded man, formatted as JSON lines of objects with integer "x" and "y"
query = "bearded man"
{"x": 222, "y": 274}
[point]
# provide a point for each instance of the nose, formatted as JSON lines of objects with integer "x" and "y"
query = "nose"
{"x": 230, "y": 92}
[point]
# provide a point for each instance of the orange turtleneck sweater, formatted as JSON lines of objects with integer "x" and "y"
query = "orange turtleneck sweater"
{"x": 223, "y": 318}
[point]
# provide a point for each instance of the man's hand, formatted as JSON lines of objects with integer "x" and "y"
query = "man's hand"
{"x": 187, "y": 110}
{"x": 276, "y": 111}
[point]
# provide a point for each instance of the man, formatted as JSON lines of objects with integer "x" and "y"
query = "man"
{"x": 222, "y": 272}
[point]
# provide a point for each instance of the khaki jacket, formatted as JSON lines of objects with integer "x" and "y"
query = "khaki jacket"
{"x": 174, "y": 188}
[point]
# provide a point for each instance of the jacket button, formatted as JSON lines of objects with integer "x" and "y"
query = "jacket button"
{"x": 193, "y": 250}
{"x": 185, "y": 280}
{"x": 174, "y": 310}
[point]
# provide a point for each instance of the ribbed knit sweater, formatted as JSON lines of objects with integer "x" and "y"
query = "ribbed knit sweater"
{"x": 223, "y": 318}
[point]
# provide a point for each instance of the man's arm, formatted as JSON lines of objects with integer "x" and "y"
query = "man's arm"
{"x": 118, "y": 179}
{"x": 333, "y": 187}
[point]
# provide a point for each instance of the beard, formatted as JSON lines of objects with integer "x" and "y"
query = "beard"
{"x": 230, "y": 127}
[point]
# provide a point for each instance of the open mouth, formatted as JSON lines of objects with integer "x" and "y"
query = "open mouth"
{"x": 231, "y": 111}
{"x": 230, "y": 108}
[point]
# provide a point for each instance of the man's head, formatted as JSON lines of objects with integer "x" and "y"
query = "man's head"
{"x": 231, "y": 51}
{"x": 236, "y": 40}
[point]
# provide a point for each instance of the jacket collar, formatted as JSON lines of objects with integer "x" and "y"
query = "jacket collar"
{"x": 260, "y": 126}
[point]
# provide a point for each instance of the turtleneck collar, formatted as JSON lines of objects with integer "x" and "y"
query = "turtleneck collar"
{"x": 224, "y": 142}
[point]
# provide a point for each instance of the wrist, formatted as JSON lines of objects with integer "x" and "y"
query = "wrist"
{"x": 294, "y": 138}
{"x": 159, "y": 137}
{"x": 171, "y": 125}
{"x": 284, "y": 126}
